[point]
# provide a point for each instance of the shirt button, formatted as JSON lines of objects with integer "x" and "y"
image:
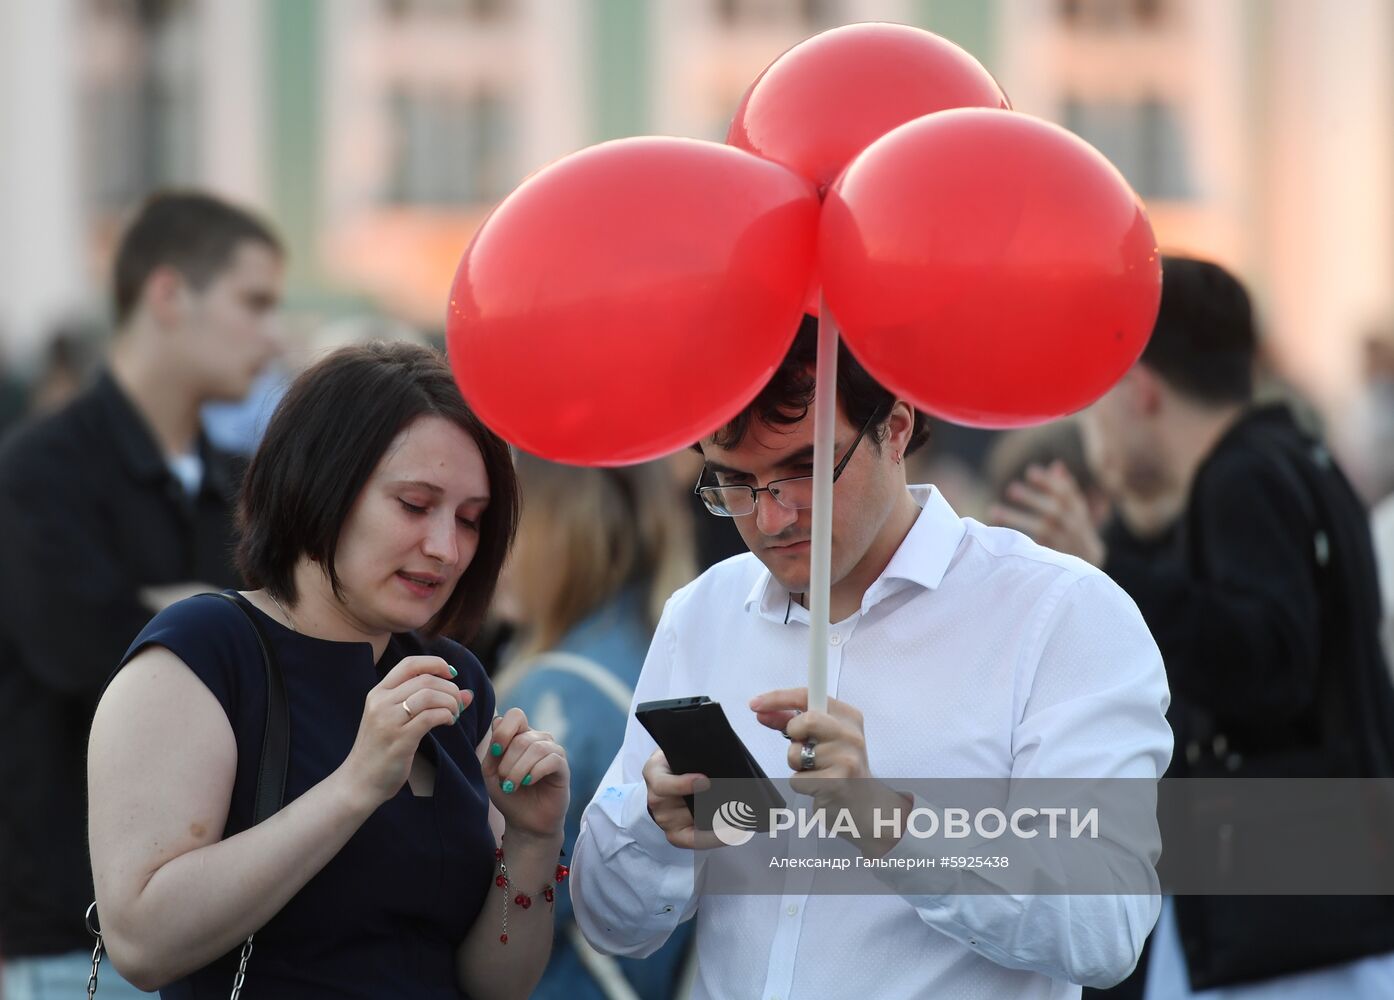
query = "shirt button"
{"x": 792, "y": 909}
{"x": 835, "y": 639}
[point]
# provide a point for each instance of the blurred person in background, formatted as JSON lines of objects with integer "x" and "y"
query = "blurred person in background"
{"x": 1134, "y": 515}
{"x": 954, "y": 458}
{"x": 71, "y": 361}
{"x": 1367, "y": 444}
{"x": 237, "y": 426}
{"x": 598, "y": 553}
{"x": 1056, "y": 446}
{"x": 1269, "y": 604}
{"x": 14, "y": 397}
{"x": 1382, "y": 528}
{"x": 112, "y": 508}
{"x": 714, "y": 538}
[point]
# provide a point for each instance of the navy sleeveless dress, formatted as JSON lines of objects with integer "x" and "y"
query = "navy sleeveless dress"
{"x": 384, "y": 918}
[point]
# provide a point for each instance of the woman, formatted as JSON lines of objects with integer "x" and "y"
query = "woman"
{"x": 375, "y": 515}
{"x": 598, "y": 553}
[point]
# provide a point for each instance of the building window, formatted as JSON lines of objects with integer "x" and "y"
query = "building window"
{"x": 450, "y": 148}
{"x": 139, "y": 115}
{"x": 1112, "y": 14}
{"x": 1144, "y": 140}
{"x": 477, "y": 10}
{"x": 746, "y": 13}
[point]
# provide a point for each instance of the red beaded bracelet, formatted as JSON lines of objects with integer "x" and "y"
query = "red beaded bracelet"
{"x": 522, "y": 899}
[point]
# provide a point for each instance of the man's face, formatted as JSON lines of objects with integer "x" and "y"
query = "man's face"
{"x": 228, "y": 334}
{"x": 1122, "y": 442}
{"x": 863, "y": 496}
{"x": 1100, "y": 427}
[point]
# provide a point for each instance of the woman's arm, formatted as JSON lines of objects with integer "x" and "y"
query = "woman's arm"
{"x": 532, "y": 842}
{"x": 161, "y": 762}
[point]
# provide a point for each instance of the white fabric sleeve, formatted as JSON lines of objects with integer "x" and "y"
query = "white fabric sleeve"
{"x": 1095, "y": 707}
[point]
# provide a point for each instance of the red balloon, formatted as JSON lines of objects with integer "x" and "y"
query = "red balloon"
{"x": 631, "y": 298}
{"x": 829, "y": 97}
{"x": 991, "y": 267}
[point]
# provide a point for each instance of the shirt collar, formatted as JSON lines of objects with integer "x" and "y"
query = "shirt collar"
{"x": 136, "y": 443}
{"x": 921, "y": 560}
{"x": 133, "y": 438}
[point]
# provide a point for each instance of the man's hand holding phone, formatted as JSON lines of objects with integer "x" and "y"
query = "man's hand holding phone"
{"x": 667, "y": 800}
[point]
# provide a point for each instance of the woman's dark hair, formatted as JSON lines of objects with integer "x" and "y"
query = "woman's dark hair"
{"x": 323, "y": 443}
{"x": 788, "y": 397}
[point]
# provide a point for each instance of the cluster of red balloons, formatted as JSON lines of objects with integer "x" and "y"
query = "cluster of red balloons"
{"x": 631, "y": 298}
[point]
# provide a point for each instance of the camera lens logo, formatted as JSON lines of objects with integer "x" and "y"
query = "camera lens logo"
{"x": 734, "y": 823}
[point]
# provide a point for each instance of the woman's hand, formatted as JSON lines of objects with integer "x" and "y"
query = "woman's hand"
{"x": 389, "y": 734}
{"x": 528, "y": 776}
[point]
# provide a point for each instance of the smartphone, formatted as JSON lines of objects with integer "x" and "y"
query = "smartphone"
{"x": 696, "y": 737}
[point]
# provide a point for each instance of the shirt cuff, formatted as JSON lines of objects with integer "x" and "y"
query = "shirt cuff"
{"x": 921, "y": 886}
{"x": 625, "y": 807}
{"x": 648, "y": 834}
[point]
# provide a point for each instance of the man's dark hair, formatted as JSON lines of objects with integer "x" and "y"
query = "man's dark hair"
{"x": 196, "y": 234}
{"x": 788, "y": 397}
{"x": 324, "y": 441}
{"x": 1204, "y": 342}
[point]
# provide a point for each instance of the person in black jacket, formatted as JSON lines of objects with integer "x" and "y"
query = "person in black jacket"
{"x": 1267, "y": 614}
{"x": 111, "y": 509}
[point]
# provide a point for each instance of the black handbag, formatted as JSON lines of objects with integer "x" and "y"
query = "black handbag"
{"x": 271, "y": 781}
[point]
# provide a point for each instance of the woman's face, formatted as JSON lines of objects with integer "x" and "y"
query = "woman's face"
{"x": 414, "y": 528}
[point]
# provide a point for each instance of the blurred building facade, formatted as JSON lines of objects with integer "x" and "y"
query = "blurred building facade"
{"x": 378, "y": 133}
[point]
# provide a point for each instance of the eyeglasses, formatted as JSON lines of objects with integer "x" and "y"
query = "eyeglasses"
{"x": 795, "y": 494}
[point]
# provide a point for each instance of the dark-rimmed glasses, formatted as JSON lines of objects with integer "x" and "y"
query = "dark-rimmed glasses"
{"x": 795, "y": 493}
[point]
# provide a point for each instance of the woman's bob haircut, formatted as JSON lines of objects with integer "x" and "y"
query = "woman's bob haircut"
{"x": 323, "y": 443}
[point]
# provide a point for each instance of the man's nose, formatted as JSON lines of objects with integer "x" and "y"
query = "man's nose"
{"x": 771, "y": 516}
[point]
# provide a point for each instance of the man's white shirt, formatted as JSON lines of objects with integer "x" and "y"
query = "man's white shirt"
{"x": 976, "y": 653}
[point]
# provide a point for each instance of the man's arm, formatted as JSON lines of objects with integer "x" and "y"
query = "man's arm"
{"x": 71, "y": 607}
{"x": 629, "y": 886}
{"x": 1095, "y": 708}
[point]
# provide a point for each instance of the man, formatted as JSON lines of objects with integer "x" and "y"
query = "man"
{"x": 110, "y": 509}
{"x": 955, "y": 650}
{"x": 1267, "y": 617}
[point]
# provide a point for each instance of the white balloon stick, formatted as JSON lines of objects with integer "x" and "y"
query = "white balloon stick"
{"x": 820, "y": 556}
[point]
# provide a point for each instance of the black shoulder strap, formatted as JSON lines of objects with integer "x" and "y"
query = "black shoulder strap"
{"x": 271, "y": 774}
{"x": 275, "y": 744}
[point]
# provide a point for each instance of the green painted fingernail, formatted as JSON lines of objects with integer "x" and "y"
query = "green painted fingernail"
{"x": 453, "y": 671}
{"x": 527, "y": 779}
{"x": 508, "y": 787}
{"x": 496, "y": 749}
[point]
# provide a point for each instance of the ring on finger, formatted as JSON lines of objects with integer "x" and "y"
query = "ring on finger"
{"x": 407, "y": 708}
{"x": 808, "y": 759}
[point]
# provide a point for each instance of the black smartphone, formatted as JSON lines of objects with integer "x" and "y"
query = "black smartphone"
{"x": 696, "y": 737}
